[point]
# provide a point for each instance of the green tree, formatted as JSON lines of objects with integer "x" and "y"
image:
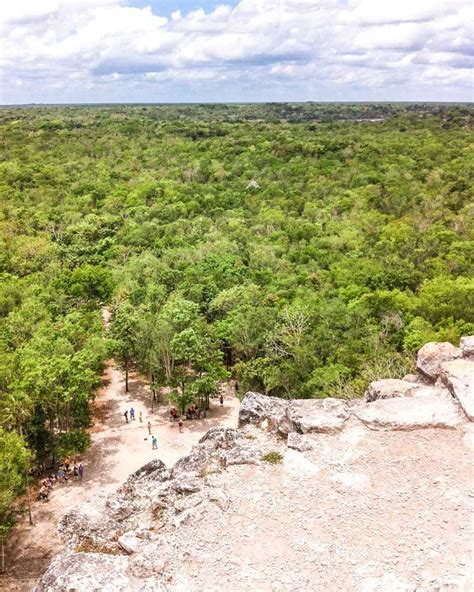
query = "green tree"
{"x": 15, "y": 461}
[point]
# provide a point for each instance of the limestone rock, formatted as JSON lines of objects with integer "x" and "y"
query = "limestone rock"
{"x": 219, "y": 498}
{"x": 129, "y": 543}
{"x": 89, "y": 524}
{"x": 432, "y": 355}
{"x": 299, "y": 442}
{"x": 410, "y": 413}
{"x": 150, "y": 561}
{"x": 411, "y": 378}
{"x": 388, "y": 388}
{"x": 394, "y": 387}
{"x": 256, "y": 408}
{"x": 216, "y": 450}
{"x": 86, "y": 572}
{"x": 458, "y": 376}
{"x": 317, "y": 415}
{"x": 467, "y": 346}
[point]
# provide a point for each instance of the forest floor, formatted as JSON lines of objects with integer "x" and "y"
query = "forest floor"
{"x": 118, "y": 449}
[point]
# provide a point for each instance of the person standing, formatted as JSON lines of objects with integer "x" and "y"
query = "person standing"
{"x": 221, "y": 399}
{"x": 149, "y": 428}
{"x": 126, "y": 416}
{"x": 154, "y": 443}
{"x": 81, "y": 471}
{"x": 132, "y": 413}
{"x": 140, "y": 417}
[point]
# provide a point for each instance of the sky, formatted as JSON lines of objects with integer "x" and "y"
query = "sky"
{"x": 93, "y": 51}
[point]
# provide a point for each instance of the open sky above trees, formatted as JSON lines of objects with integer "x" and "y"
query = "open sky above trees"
{"x": 247, "y": 50}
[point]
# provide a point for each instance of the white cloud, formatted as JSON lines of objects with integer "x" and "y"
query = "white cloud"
{"x": 89, "y": 50}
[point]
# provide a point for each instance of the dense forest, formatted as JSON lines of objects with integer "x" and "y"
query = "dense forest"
{"x": 302, "y": 249}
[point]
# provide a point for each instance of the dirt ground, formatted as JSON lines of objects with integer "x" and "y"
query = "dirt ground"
{"x": 118, "y": 449}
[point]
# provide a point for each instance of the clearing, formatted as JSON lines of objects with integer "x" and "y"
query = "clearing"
{"x": 118, "y": 449}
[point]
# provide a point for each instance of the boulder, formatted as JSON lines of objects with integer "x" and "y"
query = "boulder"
{"x": 411, "y": 378}
{"x": 432, "y": 355}
{"x": 316, "y": 415}
{"x": 129, "y": 543}
{"x": 458, "y": 376}
{"x": 394, "y": 387}
{"x": 86, "y": 572}
{"x": 256, "y": 408}
{"x": 388, "y": 388}
{"x": 90, "y": 524}
{"x": 467, "y": 346}
{"x": 299, "y": 442}
{"x": 410, "y": 413}
{"x": 217, "y": 449}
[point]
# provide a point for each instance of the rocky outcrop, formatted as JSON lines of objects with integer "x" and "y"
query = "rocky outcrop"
{"x": 441, "y": 368}
{"x": 389, "y": 388}
{"x": 458, "y": 376}
{"x": 432, "y": 355}
{"x": 256, "y": 408}
{"x": 437, "y": 410}
{"x": 86, "y": 571}
{"x": 300, "y": 415}
{"x": 467, "y": 347}
{"x": 316, "y": 415}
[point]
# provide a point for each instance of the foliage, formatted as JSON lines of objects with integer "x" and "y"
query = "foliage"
{"x": 14, "y": 466}
{"x": 273, "y": 457}
{"x": 353, "y": 248}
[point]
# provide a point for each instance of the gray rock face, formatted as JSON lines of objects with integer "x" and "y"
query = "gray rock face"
{"x": 388, "y": 388}
{"x": 256, "y": 408}
{"x": 458, "y": 376}
{"x": 410, "y": 413}
{"x": 90, "y": 523}
{"x": 317, "y": 415}
{"x": 299, "y": 442}
{"x": 299, "y": 415}
{"x": 432, "y": 355}
{"x": 394, "y": 387}
{"x": 86, "y": 572}
{"x": 467, "y": 347}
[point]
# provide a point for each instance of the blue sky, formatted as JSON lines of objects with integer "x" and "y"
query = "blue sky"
{"x": 185, "y": 6}
{"x": 59, "y": 51}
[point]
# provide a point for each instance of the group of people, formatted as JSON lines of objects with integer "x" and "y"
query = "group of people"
{"x": 132, "y": 415}
{"x": 64, "y": 473}
{"x": 194, "y": 412}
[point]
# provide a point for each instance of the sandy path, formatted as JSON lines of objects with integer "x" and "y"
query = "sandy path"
{"x": 117, "y": 450}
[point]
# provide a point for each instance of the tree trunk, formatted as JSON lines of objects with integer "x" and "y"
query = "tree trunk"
{"x": 28, "y": 498}
{"x": 2, "y": 552}
{"x": 126, "y": 378}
